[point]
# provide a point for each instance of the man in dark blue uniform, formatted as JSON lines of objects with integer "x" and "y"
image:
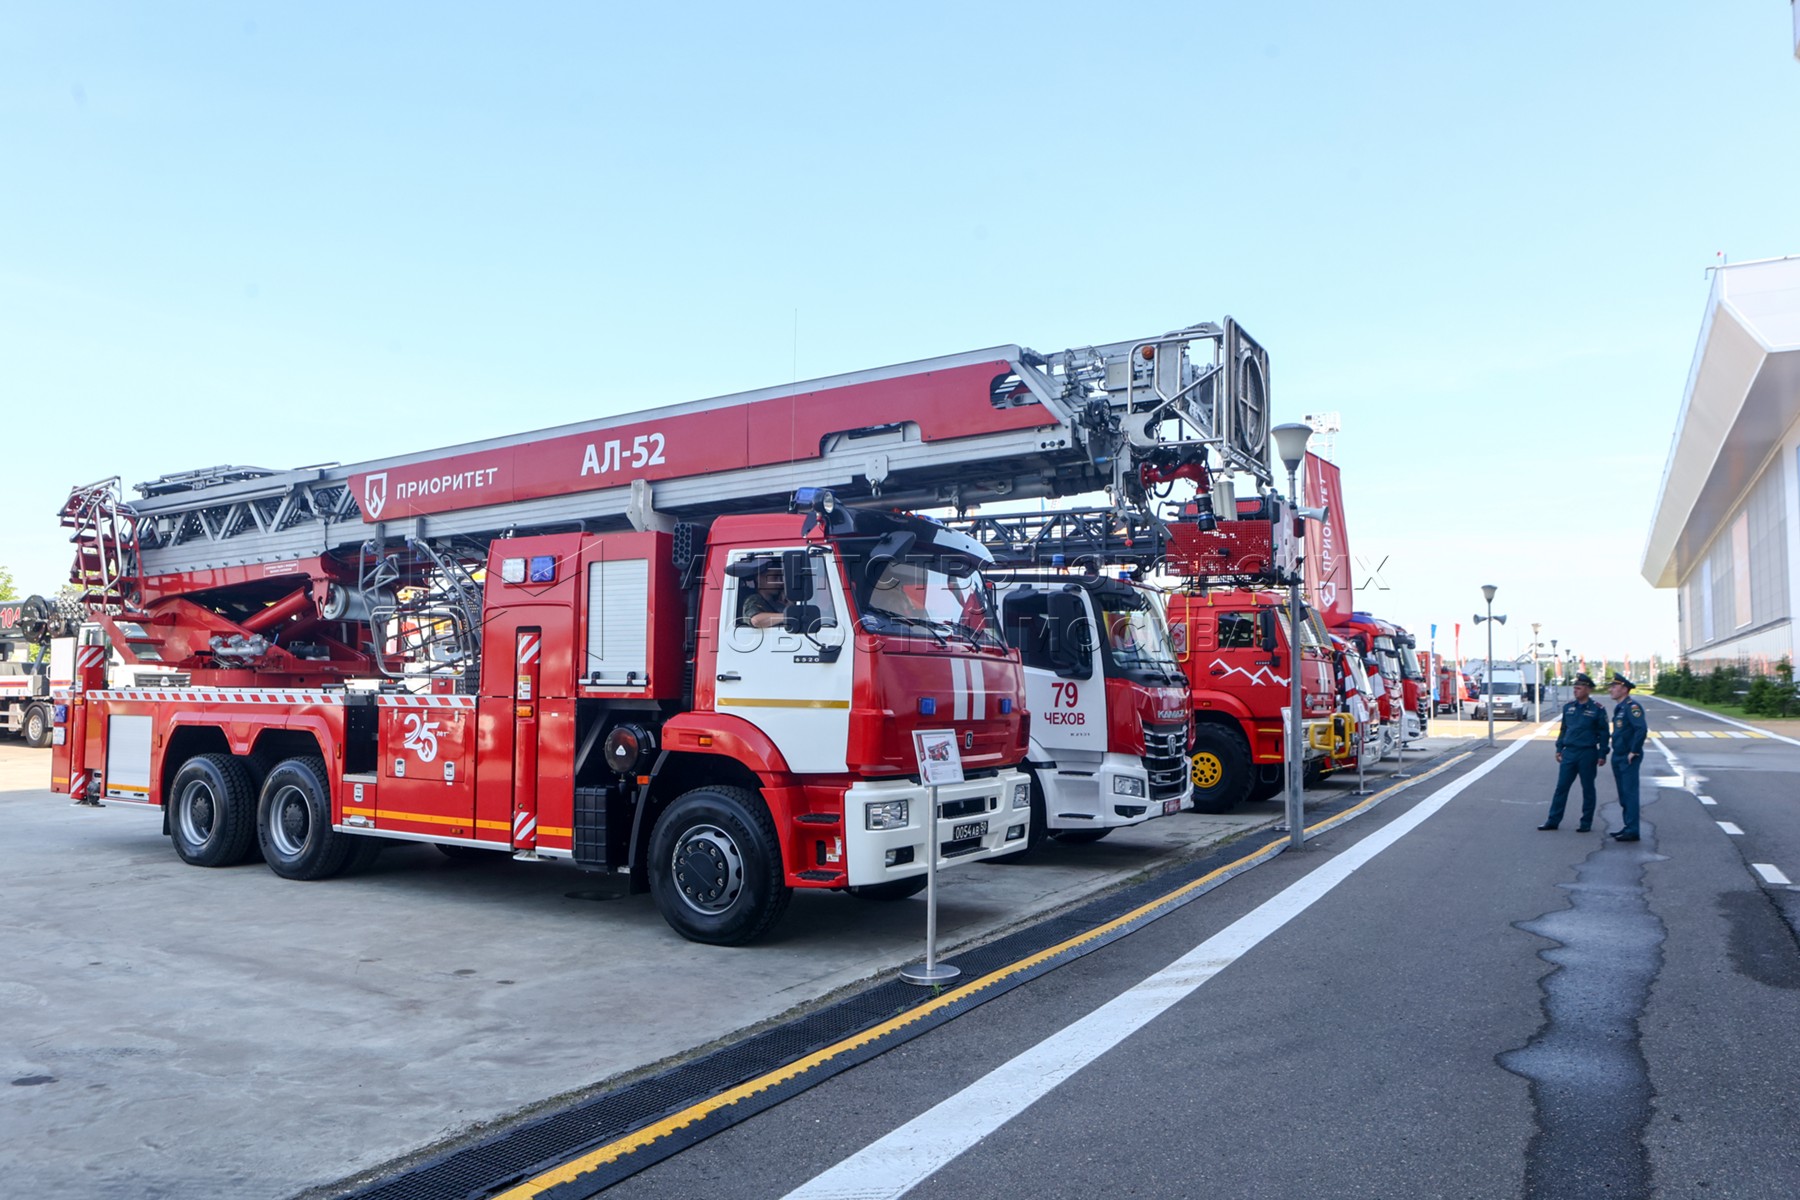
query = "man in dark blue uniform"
{"x": 1580, "y": 748}
{"x": 1629, "y": 729}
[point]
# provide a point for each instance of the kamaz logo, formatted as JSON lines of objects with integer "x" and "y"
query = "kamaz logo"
{"x": 375, "y": 494}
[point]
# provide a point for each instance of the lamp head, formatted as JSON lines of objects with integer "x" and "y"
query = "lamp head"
{"x": 1487, "y": 592}
{"x": 1290, "y": 444}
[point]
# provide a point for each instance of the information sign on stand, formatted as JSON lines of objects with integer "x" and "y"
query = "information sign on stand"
{"x": 939, "y": 762}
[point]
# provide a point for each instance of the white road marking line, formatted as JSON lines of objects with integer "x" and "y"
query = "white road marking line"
{"x": 1771, "y": 873}
{"x": 1754, "y": 731}
{"x": 893, "y": 1165}
{"x": 1728, "y": 827}
{"x": 1706, "y": 800}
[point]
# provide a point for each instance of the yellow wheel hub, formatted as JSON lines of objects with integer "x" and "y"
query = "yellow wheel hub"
{"x": 1207, "y": 770}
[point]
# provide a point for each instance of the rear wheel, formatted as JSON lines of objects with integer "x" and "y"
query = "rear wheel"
{"x": 36, "y": 730}
{"x": 715, "y": 866}
{"x": 293, "y": 822}
{"x": 212, "y": 811}
{"x": 1220, "y": 766}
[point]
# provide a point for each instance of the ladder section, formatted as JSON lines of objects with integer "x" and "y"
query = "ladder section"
{"x": 105, "y": 571}
{"x": 1003, "y": 423}
{"x": 1256, "y": 550}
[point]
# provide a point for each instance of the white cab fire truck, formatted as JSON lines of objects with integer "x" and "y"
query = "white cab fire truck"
{"x": 596, "y": 643}
{"x": 1110, "y": 715}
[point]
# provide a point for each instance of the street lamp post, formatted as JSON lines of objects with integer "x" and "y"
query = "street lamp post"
{"x": 1557, "y": 663}
{"x": 1290, "y": 447}
{"x": 1487, "y": 592}
{"x": 1537, "y": 676}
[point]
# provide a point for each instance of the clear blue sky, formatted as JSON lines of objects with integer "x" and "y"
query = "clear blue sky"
{"x": 287, "y": 234}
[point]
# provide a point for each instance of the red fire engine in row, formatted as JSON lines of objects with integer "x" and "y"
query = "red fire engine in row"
{"x": 597, "y": 644}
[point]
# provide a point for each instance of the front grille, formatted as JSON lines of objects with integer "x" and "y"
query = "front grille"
{"x": 973, "y": 806}
{"x": 1165, "y": 758}
{"x": 960, "y": 846}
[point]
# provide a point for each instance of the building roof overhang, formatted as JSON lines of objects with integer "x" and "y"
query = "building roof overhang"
{"x": 1743, "y": 392}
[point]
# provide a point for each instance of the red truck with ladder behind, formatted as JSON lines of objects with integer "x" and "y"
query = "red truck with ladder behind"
{"x": 1226, "y": 632}
{"x": 536, "y": 644}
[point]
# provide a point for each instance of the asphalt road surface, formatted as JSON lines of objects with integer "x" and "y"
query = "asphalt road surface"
{"x": 1435, "y": 999}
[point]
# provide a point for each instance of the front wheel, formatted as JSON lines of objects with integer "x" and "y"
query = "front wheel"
{"x": 1220, "y": 767}
{"x": 293, "y": 822}
{"x": 36, "y": 730}
{"x": 715, "y": 867}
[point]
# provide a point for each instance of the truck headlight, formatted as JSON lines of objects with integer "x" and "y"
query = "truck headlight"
{"x": 1022, "y": 794}
{"x": 1127, "y": 785}
{"x": 885, "y": 814}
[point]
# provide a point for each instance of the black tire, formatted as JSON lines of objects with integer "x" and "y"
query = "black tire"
{"x": 1220, "y": 768}
{"x": 293, "y": 822}
{"x": 212, "y": 811}
{"x": 715, "y": 867}
{"x": 1038, "y": 832}
{"x": 1079, "y": 837}
{"x": 893, "y": 889}
{"x": 1268, "y": 789}
{"x": 364, "y": 850}
{"x": 37, "y": 727}
{"x": 468, "y": 853}
{"x": 256, "y": 766}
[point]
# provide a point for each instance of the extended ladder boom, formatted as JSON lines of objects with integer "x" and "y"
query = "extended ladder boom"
{"x": 955, "y": 431}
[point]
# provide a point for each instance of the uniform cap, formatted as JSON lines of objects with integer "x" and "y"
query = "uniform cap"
{"x": 1585, "y": 680}
{"x": 1618, "y": 678}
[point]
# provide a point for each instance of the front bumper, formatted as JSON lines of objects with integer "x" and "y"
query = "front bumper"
{"x": 879, "y": 855}
{"x": 1101, "y": 796}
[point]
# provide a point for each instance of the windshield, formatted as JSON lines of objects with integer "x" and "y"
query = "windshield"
{"x": 914, "y": 594}
{"x": 1409, "y": 663}
{"x": 1136, "y": 637}
{"x": 1503, "y": 687}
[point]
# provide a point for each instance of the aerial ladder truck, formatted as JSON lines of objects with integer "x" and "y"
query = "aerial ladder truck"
{"x": 1216, "y": 646}
{"x": 538, "y": 644}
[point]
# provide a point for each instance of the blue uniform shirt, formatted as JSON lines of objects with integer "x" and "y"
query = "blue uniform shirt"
{"x": 1629, "y": 729}
{"x": 1583, "y": 728}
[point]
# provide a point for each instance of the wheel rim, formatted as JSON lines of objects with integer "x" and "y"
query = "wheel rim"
{"x": 34, "y": 725}
{"x": 199, "y": 809}
{"x": 1207, "y": 769}
{"x": 708, "y": 869}
{"x": 290, "y": 824}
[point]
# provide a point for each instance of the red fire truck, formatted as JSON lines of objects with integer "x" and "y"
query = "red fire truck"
{"x": 585, "y": 644}
{"x": 1234, "y": 647}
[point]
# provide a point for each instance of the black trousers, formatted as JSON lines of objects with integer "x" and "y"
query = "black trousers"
{"x": 1574, "y": 765}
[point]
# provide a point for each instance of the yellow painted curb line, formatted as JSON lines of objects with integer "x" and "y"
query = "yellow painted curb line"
{"x": 638, "y": 1139}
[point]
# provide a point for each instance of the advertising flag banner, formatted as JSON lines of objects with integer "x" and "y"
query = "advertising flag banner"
{"x": 1327, "y": 570}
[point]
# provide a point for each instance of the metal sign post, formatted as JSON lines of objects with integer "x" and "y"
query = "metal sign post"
{"x": 1362, "y": 736}
{"x": 939, "y": 762}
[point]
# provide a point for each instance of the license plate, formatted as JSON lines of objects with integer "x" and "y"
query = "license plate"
{"x": 1171, "y": 807}
{"x": 968, "y": 829}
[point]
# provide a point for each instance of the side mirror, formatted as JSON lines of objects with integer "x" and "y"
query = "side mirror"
{"x": 1267, "y": 629}
{"x": 802, "y": 618}
{"x": 1071, "y": 646}
{"x": 796, "y": 576}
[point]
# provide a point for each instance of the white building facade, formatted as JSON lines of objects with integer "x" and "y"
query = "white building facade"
{"x": 1726, "y": 530}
